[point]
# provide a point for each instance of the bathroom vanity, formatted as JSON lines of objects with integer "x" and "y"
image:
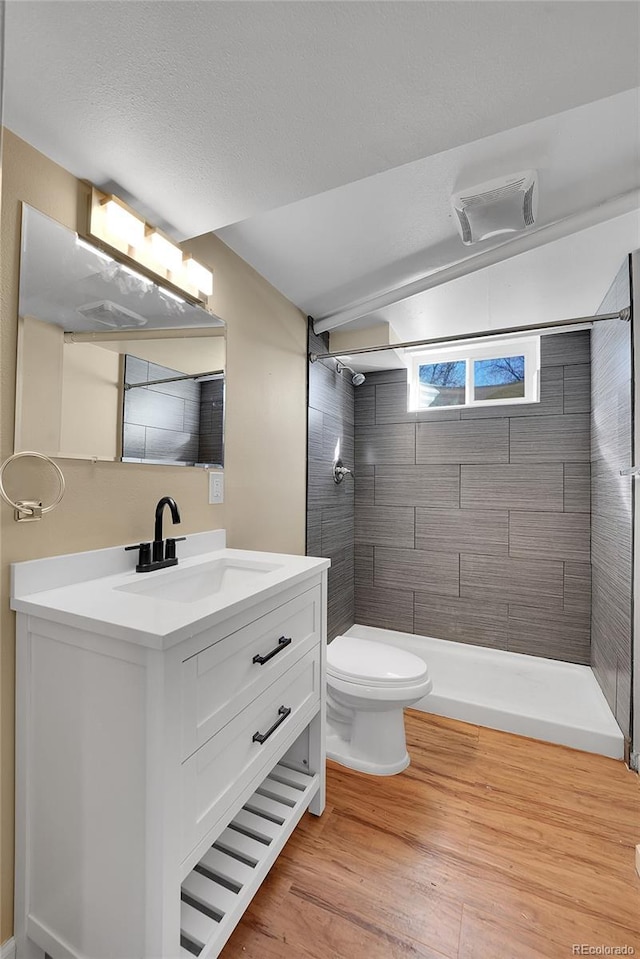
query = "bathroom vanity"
{"x": 170, "y": 735}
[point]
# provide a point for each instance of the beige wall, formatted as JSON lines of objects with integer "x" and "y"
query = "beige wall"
{"x": 112, "y": 503}
{"x": 39, "y": 386}
{"x": 378, "y": 335}
{"x": 90, "y": 406}
{"x": 192, "y": 354}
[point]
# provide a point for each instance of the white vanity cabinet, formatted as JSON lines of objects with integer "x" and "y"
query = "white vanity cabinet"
{"x": 162, "y": 762}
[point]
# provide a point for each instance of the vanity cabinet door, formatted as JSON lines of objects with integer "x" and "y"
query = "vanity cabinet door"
{"x": 227, "y": 676}
{"x": 246, "y": 748}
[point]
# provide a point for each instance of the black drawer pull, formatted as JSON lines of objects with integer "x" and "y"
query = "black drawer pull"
{"x": 283, "y": 642}
{"x": 283, "y": 712}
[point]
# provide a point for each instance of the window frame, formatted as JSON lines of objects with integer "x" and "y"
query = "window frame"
{"x": 528, "y": 346}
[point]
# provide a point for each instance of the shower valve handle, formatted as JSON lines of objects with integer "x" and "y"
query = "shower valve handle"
{"x": 340, "y": 471}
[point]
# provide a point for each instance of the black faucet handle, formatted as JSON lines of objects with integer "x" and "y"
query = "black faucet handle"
{"x": 145, "y": 553}
{"x": 170, "y": 546}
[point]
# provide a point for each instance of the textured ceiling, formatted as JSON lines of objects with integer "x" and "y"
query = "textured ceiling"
{"x": 347, "y": 244}
{"x": 560, "y": 280}
{"x": 206, "y": 113}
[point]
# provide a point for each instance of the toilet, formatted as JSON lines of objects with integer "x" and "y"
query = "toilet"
{"x": 368, "y": 686}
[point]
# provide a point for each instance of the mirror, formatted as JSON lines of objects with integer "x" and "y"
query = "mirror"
{"x": 112, "y": 366}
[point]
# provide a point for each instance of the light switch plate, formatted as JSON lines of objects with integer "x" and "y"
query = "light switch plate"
{"x": 216, "y": 487}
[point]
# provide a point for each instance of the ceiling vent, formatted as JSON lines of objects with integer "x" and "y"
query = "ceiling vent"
{"x": 506, "y": 205}
{"x": 107, "y": 313}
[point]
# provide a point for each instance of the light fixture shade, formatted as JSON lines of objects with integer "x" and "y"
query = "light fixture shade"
{"x": 122, "y": 223}
{"x": 120, "y": 228}
{"x": 164, "y": 252}
{"x": 198, "y": 275}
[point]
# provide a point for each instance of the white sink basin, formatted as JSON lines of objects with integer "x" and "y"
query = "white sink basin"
{"x": 98, "y": 591}
{"x": 200, "y": 582}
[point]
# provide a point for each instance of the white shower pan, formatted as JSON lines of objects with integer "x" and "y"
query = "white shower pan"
{"x": 540, "y": 698}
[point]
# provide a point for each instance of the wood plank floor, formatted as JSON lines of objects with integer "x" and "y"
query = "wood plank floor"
{"x": 488, "y": 846}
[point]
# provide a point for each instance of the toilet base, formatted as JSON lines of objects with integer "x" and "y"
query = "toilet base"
{"x": 340, "y": 752}
{"x": 373, "y": 742}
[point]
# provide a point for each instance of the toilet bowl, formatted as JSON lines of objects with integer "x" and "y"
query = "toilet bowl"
{"x": 368, "y": 686}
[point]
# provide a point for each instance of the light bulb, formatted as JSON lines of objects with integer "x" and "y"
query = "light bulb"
{"x": 122, "y": 223}
{"x": 166, "y": 253}
{"x": 199, "y": 276}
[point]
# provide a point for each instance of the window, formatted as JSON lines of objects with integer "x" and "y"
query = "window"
{"x": 503, "y": 371}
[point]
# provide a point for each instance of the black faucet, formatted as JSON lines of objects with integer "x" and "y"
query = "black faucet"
{"x": 156, "y": 556}
{"x": 158, "y": 541}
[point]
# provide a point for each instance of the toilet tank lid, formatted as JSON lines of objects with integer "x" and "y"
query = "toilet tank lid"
{"x": 365, "y": 661}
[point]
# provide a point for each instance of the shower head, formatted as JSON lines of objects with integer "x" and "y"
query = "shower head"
{"x": 356, "y": 378}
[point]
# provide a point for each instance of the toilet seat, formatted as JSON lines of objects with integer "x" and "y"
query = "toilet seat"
{"x": 362, "y": 662}
{"x": 369, "y": 685}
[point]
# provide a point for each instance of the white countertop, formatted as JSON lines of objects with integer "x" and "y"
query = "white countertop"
{"x": 60, "y": 589}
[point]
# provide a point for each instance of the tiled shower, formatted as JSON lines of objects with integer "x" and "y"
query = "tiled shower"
{"x": 612, "y": 504}
{"x": 179, "y": 421}
{"x": 478, "y": 525}
{"x": 475, "y": 526}
{"x": 330, "y": 507}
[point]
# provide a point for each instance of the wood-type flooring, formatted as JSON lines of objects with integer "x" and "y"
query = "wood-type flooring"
{"x": 489, "y": 846}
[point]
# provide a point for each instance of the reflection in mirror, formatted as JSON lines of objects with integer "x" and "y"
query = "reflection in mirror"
{"x": 190, "y": 408}
{"x": 111, "y": 366}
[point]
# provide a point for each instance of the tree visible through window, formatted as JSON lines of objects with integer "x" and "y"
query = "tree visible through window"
{"x": 443, "y": 384}
{"x": 476, "y": 374}
{"x": 499, "y": 378}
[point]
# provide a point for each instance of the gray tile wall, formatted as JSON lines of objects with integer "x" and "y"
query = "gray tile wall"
{"x": 474, "y": 525}
{"x": 330, "y": 507}
{"x": 160, "y": 422}
{"x": 612, "y": 505}
{"x": 211, "y": 423}
{"x": 180, "y": 422}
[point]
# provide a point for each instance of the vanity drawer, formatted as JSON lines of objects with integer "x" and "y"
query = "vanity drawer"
{"x": 227, "y": 763}
{"x": 222, "y": 679}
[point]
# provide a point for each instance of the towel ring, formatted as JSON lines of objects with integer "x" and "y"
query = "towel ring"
{"x": 27, "y": 511}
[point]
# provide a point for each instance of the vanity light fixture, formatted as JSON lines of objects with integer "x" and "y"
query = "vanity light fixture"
{"x": 198, "y": 275}
{"x": 119, "y": 228}
{"x": 163, "y": 251}
{"x": 122, "y": 223}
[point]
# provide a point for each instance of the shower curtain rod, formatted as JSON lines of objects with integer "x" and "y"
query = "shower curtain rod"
{"x": 174, "y": 379}
{"x": 436, "y": 341}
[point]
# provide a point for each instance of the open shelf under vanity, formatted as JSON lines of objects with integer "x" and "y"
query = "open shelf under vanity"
{"x": 218, "y": 889}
